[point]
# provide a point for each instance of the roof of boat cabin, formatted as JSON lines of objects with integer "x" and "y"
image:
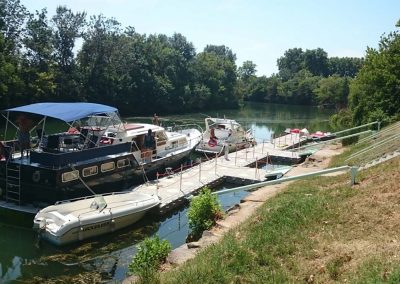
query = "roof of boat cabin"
{"x": 142, "y": 127}
{"x": 64, "y": 111}
{"x": 222, "y": 120}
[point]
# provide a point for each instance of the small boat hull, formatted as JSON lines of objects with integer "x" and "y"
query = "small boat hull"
{"x": 79, "y": 220}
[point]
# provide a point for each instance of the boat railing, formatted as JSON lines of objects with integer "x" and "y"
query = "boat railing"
{"x": 114, "y": 207}
{"x": 90, "y": 196}
{"x": 182, "y": 127}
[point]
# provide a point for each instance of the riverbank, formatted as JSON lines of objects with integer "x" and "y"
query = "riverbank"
{"x": 317, "y": 230}
{"x": 246, "y": 208}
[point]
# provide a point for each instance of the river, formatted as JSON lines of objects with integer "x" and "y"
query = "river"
{"x": 23, "y": 258}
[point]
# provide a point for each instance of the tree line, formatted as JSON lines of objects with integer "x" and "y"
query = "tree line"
{"x": 141, "y": 74}
{"x": 307, "y": 77}
{"x": 117, "y": 66}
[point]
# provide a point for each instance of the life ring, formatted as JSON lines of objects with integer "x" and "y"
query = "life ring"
{"x": 36, "y": 176}
{"x": 212, "y": 142}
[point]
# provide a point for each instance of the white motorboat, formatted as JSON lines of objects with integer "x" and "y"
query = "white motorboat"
{"x": 73, "y": 221}
{"x": 170, "y": 146}
{"x": 222, "y": 132}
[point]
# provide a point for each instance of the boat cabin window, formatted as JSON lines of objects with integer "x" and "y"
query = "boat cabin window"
{"x": 123, "y": 163}
{"x": 69, "y": 176}
{"x": 90, "y": 171}
{"x": 174, "y": 144}
{"x": 182, "y": 142}
{"x": 107, "y": 167}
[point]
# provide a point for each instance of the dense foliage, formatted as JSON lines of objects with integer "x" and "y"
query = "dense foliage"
{"x": 304, "y": 77}
{"x": 375, "y": 93}
{"x": 150, "y": 254}
{"x": 39, "y": 61}
{"x": 141, "y": 74}
{"x": 203, "y": 212}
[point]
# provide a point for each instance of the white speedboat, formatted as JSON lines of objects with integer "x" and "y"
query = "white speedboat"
{"x": 222, "y": 132}
{"x": 73, "y": 221}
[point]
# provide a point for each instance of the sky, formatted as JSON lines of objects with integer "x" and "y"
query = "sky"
{"x": 256, "y": 30}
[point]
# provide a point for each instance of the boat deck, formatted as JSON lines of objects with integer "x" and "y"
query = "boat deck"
{"x": 240, "y": 167}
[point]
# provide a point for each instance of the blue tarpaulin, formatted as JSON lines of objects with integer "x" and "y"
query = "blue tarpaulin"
{"x": 64, "y": 111}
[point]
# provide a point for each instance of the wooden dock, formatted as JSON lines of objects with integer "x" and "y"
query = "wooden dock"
{"x": 240, "y": 167}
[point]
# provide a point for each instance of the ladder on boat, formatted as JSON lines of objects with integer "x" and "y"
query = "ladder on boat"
{"x": 13, "y": 182}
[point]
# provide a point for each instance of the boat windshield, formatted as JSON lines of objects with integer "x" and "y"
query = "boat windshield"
{"x": 98, "y": 203}
{"x": 103, "y": 121}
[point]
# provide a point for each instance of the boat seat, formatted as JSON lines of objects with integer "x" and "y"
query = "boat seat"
{"x": 60, "y": 216}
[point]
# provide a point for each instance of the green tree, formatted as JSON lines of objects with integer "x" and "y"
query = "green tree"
{"x": 38, "y": 71}
{"x": 316, "y": 61}
{"x": 375, "y": 92}
{"x": 290, "y": 63}
{"x": 345, "y": 66}
{"x": 333, "y": 91}
{"x": 68, "y": 27}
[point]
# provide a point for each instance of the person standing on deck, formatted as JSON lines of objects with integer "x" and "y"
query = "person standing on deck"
{"x": 24, "y": 139}
{"x": 155, "y": 120}
{"x": 148, "y": 145}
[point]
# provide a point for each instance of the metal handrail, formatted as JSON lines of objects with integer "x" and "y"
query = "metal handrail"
{"x": 357, "y": 127}
{"x": 387, "y": 129}
{"x": 353, "y": 171}
{"x": 373, "y": 146}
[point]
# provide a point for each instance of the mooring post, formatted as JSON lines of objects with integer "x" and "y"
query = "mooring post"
{"x": 273, "y": 139}
{"x": 226, "y": 151}
{"x": 236, "y": 155}
{"x": 353, "y": 173}
{"x": 262, "y": 149}
{"x": 298, "y": 149}
{"x": 255, "y": 175}
{"x": 200, "y": 171}
{"x": 379, "y": 126}
{"x": 180, "y": 181}
{"x": 216, "y": 158}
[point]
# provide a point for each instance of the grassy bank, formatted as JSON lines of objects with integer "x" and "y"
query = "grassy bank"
{"x": 317, "y": 230}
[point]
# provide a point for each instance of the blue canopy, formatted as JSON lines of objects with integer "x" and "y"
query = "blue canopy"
{"x": 65, "y": 111}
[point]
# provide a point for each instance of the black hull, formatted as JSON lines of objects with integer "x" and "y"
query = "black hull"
{"x": 43, "y": 186}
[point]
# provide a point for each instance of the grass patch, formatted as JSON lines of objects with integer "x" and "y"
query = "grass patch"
{"x": 318, "y": 230}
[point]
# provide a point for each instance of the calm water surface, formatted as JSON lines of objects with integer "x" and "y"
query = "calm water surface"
{"x": 23, "y": 257}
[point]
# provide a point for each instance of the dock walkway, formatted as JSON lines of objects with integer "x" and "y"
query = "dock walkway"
{"x": 240, "y": 167}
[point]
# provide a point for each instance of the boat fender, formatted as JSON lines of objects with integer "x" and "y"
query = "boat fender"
{"x": 36, "y": 176}
{"x": 212, "y": 142}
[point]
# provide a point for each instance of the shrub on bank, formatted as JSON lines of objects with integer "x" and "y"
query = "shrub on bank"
{"x": 203, "y": 212}
{"x": 151, "y": 253}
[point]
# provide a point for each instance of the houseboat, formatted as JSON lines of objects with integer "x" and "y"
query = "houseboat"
{"x": 97, "y": 153}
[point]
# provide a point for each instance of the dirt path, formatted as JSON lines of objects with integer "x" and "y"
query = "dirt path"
{"x": 318, "y": 161}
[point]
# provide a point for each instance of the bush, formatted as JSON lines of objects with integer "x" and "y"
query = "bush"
{"x": 150, "y": 254}
{"x": 350, "y": 140}
{"x": 203, "y": 212}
